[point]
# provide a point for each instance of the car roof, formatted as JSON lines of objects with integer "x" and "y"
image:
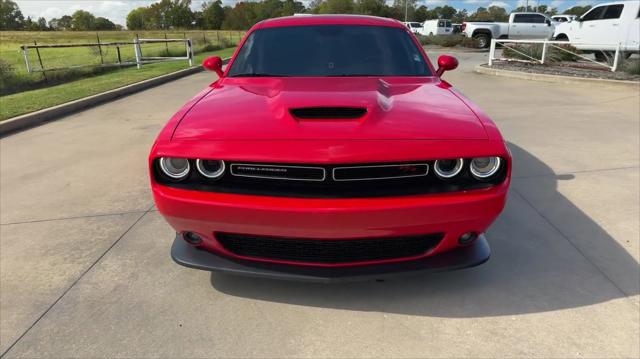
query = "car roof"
{"x": 302, "y": 20}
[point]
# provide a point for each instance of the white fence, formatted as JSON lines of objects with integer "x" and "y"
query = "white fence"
{"x": 545, "y": 47}
{"x": 100, "y": 47}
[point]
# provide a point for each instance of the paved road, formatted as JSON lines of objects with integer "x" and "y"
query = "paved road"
{"x": 85, "y": 268}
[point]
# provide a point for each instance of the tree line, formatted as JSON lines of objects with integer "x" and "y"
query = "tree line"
{"x": 11, "y": 18}
{"x": 177, "y": 14}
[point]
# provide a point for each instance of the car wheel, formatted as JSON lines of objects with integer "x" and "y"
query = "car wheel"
{"x": 483, "y": 40}
{"x": 562, "y": 37}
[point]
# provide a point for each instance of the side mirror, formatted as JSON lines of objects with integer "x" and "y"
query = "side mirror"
{"x": 213, "y": 63}
{"x": 548, "y": 22}
{"x": 446, "y": 63}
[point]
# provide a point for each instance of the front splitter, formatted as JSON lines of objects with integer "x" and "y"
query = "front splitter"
{"x": 475, "y": 254}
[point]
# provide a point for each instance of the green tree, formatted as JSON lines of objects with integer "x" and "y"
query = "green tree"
{"x": 371, "y": 7}
{"x": 290, "y": 7}
{"x": 103, "y": 24}
{"x": 337, "y": 7}
{"x": 29, "y": 25}
{"x": 63, "y": 23}
{"x": 421, "y": 14}
{"x": 42, "y": 24}
{"x": 460, "y": 16}
{"x": 314, "y": 6}
{"x": 11, "y": 17}
{"x": 268, "y": 9}
{"x": 137, "y": 18}
{"x": 242, "y": 16}
{"x": 577, "y": 10}
{"x": 497, "y": 13}
{"x": 212, "y": 15}
{"x": 167, "y": 14}
{"x": 493, "y": 13}
{"x": 82, "y": 21}
{"x": 402, "y": 8}
{"x": 444, "y": 12}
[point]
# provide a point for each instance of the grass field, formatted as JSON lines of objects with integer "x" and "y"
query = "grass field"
{"x": 13, "y": 72}
{"x": 34, "y": 100}
{"x": 21, "y": 92}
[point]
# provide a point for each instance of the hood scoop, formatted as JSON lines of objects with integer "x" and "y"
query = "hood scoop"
{"x": 328, "y": 113}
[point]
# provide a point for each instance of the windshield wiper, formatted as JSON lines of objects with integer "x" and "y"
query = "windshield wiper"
{"x": 257, "y": 74}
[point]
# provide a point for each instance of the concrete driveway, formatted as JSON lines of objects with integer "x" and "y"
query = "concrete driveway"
{"x": 85, "y": 268}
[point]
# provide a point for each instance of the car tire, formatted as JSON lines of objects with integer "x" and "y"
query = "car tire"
{"x": 484, "y": 40}
{"x": 562, "y": 37}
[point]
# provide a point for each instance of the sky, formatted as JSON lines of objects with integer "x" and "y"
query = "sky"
{"x": 117, "y": 10}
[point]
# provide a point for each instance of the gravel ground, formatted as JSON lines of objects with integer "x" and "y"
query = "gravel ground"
{"x": 566, "y": 69}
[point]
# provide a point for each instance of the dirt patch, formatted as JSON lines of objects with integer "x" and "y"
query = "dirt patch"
{"x": 566, "y": 69}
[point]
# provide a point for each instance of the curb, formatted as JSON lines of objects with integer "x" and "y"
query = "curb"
{"x": 483, "y": 69}
{"x": 39, "y": 117}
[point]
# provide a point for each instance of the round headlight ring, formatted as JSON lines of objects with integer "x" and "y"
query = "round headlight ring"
{"x": 448, "y": 174}
{"x": 491, "y": 169}
{"x": 173, "y": 170}
{"x": 210, "y": 174}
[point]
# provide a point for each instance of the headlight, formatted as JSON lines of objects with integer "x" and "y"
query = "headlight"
{"x": 448, "y": 168}
{"x": 210, "y": 168}
{"x": 175, "y": 167}
{"x": 484, "y": 167}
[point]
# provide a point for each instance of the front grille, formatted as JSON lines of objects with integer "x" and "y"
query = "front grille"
{"x": 380, "y": 172}
{"x": 328, "y": 251}
{"x": 333, "y": 181}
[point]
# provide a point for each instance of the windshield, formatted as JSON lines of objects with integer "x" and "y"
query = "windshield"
{"x": 329, "y": 50}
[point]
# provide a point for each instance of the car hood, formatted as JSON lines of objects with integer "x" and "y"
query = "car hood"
{"x": 261, "y": 109}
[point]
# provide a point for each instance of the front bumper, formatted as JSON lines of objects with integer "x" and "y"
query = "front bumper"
{"x": 451, "y": 214}
{"x": 475, "y": 254}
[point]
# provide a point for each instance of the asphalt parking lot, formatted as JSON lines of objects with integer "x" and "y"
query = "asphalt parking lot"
{"x": 85, "y": 269}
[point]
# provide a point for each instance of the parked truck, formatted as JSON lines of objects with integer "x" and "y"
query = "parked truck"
{"x": 521, "y": 25}
{"x": 603, "y": 28}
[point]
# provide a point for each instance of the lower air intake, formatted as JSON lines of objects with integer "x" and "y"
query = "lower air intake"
{"x": 328, "y": 251}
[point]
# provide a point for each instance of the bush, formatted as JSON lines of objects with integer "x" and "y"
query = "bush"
{"x": 8, "y": 78}
{"x": 513, "y": 51}
{"x": 631, "y": 66}
{"x": 448, "y": 41}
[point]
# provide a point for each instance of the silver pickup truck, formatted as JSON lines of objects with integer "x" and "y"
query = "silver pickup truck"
{"x": 521, "y": 25}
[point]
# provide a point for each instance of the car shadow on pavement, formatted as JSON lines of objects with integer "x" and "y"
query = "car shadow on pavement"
{"x": 534, "y": 268}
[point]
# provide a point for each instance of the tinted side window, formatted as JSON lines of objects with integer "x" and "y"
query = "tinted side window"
{"x": 594, "y": 14}
{"x": 529, "y": 18}
{"x": 520, "y": 18}
{"x": 539, "y": 19}
{"x": 613, "y": 12}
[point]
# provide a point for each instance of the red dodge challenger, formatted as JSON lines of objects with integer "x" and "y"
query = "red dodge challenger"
{"x": 330, "y": 149}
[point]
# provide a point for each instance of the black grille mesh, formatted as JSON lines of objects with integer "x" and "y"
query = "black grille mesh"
{"x": 328, "y": 251}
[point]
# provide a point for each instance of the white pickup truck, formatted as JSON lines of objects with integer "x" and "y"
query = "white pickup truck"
{"x": 521, "y": 25}
{"x": 604, "y": 27}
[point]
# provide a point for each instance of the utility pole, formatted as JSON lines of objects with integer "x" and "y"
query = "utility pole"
{"x": 527, "y": 9}
{"x": 406, "y": 8}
